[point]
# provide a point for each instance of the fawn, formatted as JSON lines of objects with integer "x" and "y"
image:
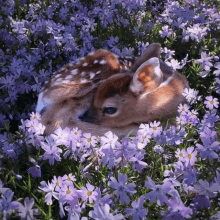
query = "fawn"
{"x": 103, "y": 92}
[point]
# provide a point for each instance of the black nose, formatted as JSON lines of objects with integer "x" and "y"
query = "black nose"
{"x": 84, "y": 116}
{"x": 88, "y": 117}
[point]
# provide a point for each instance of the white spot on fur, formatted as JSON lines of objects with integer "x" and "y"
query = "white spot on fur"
{"x": 98, "y": 72}
{"x": 83, "y": 74}
{"x": 91, "y": 54}
{"x": 95, "y": 61}
{"x": 92, "y": 75}
{"x": 74, "y": 72}
{"x": 65, "y": 81}
{"x": 102, "y": 62}
{"x": 69, "y": 77}
{"x": 83, "y": 80}
{"x": 58, "y": 75}
{"x": 85, "y": 64}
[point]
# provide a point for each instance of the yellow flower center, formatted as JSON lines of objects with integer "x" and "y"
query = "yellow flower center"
{"x": 211, "y": 102}
{"x": 68, "y": 191}
{"x": 183, "y": 109}
{"x": 89, "y": 140}
{"x": 181, "y": 154}
{"x": 57, "y": 183}
{"x": 35, "y": 117}
{"x": 143, "y": 137}
{"x": 89, "y": 193}
{"x": 154, "y": 128}
{"x": 76, "y": 133}
{"x": 68, "y": 179}
{"x": 189, "y": 156}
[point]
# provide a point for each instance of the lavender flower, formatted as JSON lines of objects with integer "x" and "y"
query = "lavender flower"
{"x": 121, "y": 188}
{"x": 138, "y": 164}
{"x": 190, "y": 156}
{"x": 88, "y": 192}
{"x": 165, "y": 32}
{"x": 157, "y": 192}
{"x": 26, "y": 211}
{"x": 217, "y": 66}
{"x": 208, "y": 149}
{"x": 49, "y": 189}
{"x": 211, "y": 102}
{"x": 102, "y": 212}
{"x": 176, "y": 210}
{"x": 35, "y": 171}
{"x": 205, "y": 61}
{"x": 137, "y": 209}
{"x": 210, "y": 190}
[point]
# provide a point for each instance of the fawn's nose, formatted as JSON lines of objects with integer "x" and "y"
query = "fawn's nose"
{"x": 89, "y": 116}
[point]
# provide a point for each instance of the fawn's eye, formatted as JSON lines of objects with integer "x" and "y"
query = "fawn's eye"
{"x": 109, "y": 110}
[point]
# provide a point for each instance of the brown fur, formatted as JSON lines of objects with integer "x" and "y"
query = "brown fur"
{"x": 114, "y": 88}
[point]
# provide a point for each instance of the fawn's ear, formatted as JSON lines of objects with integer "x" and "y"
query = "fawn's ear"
{"x": 153, "y": 50}
{"x": 147, "y": 77}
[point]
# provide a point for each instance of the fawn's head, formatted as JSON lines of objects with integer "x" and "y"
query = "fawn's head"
{"x": 151, "y": 90}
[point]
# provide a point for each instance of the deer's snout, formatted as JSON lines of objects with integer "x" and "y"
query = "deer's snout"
{"x": 90, "y": 116}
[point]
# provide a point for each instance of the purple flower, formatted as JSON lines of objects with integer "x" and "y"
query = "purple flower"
{"x": 61, "y": 136}
{"x": 6, "y": 203}
{"x": 58, "y": 183}
{"x": 69, "y": 193}
{"x": 180, "y": 154}
{"x": 176, "y": 210}
{"x": 165, "y": 32}
{"x": 190, "y": 176}
{"x": 108, "y": 140}
{"x": 101, "y": 212}
{"x": 207, "y": 189}
{"x": 207, "y": 149}
{"x": 174, "y": 64}
{"x": 102, "y": 200}
{"x": 200, "y": 201}
{"x": 125, "y": 150}
{"x": 183, "y": 109}
{"x": 205, "y": 61}
{"x": 88, "y": 193}
{"x": 190, "y": 156}
{"x": 156, "y": 129}
{"x": 109, "y": 157}
{"x": 158, "y": 149}
{"x": 190, "y": 95}
{"x": 157, "y": 192}
{"x": 138, "y": 164}
{"x": 35, "y": 171}
{"x": 7, "y": 81}
{"x": 49, "y": 189}
{"x": 137, "y": 209}
{"x": 122, "y": 189}
{"x": 52, "y": 152}
{"x": 89, "y": 140}
{"x": 217, "y": 66}
{"x": 26, "y": 211}
{"x": 211, "y": 102}
{"x": 68, "y": 180}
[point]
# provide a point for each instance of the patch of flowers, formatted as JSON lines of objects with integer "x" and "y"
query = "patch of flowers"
{"x": 162, "y": 172}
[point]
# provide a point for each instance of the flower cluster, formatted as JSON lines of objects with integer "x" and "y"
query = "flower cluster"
{"x": 168, "y": 170}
